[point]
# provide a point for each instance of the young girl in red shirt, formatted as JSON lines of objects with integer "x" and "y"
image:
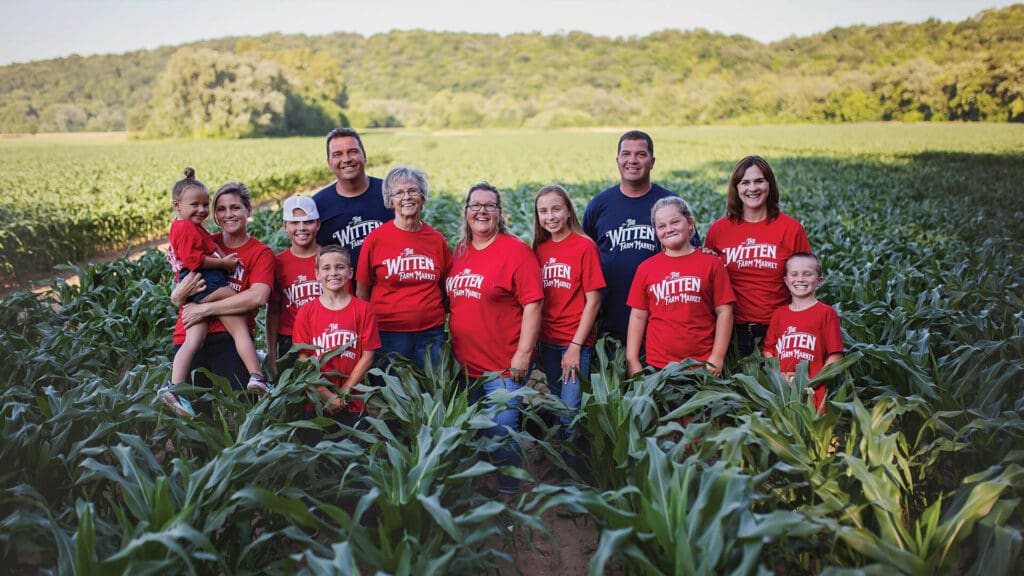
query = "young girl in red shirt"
{"x": 681, "y": 298}
{"x": 572, "y": 278}
{"x": 192, "y": 248}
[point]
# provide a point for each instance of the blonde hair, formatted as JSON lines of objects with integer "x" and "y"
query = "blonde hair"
{"x": 680, "y": 205}
{"x": 235, "y": 187}
{"x": 809, "y": 256}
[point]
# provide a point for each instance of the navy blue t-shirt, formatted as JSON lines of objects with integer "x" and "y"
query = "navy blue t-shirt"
{"x": 348, "y": 221}
{"x": 621, "y": 228}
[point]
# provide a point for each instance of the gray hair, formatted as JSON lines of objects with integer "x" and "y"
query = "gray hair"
{"x": 404, "y": 174}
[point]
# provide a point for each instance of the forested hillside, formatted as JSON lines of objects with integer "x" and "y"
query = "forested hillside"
{"x": 295, "y": 84}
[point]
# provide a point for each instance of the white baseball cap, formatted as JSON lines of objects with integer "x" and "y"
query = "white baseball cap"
{"x": 304, "y": 203}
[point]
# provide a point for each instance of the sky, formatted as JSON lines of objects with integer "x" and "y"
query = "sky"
{"x": 42, "y": 29}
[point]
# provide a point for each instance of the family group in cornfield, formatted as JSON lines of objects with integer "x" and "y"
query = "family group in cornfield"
{"x": 366, "y": 280}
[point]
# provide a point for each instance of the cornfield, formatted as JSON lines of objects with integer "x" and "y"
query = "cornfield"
{"x": 914, "y": 468}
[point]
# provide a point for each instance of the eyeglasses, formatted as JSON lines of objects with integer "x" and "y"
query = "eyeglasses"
{"x": 485, "y": 207}
{"x": 411, "y": 193}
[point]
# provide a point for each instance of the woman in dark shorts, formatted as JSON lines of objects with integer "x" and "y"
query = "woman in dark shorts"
{"x": 252, "y": 280}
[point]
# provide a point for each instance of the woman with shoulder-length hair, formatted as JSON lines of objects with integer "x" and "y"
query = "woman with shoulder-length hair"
{"x": 401, "y": 271}
{"x": 754, "y": 239}
{"x": 495, "y": 293}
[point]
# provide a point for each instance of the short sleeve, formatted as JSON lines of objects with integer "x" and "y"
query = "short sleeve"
{"x": 638, "y": 290}
{"x": 593, "y": 277}
{"x": 833, "y": 333}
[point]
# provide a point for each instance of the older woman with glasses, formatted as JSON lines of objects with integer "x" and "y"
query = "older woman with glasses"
{"x": 401, "y": 271}
{"x": 495, "y": 294}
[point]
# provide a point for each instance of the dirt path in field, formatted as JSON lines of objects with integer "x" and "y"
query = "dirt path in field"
{"x": 37, "y": 282}
{"x": 574, "y": 538}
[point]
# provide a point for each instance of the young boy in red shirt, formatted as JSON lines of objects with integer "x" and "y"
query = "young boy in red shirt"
{"x": 295, "y": 282}
{"x": 334, "y": 320}
{"x": 805, "y": 330}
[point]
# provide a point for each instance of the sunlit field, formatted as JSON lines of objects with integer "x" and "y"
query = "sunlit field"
{"x": 915, "y": 467}
{"x": 70, "y": 197}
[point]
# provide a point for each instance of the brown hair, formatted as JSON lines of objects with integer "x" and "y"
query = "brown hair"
{"x": 733, "y": 205}
{"x": 465, "y": 232}
{"x": 333, "y": 249}
{"x": 189, "y": 181}
{"x": 541, "y": 235}
{"x": 636, "y": 135}
{"x": 817, "y": 261}
{"x": 342, "y": 133}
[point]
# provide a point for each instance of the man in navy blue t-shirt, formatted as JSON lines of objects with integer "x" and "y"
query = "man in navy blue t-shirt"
{"x": 353, "y": 206}
{"x": 619, "y": 221}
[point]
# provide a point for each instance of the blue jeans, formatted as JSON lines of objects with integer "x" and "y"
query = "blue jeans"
{"x": 507, "y": 420}
{"x": 747, "y": 336}
{"x": 569, "y": 392}
{"x": 413, "y": 345}
{"x": 215, "y": 280}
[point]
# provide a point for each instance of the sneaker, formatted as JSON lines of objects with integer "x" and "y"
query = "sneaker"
{"x": 178, "y": 404}
{"x": 258, "y": 385}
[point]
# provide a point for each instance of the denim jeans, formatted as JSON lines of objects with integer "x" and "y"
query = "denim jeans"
{"x": 506, "y": 420}
{"x": 747, "y": 336}
{"x": 412, "y": 345}
{"x": 569, "y": 392}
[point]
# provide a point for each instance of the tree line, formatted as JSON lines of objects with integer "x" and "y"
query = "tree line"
{"x": 277, "y": 85}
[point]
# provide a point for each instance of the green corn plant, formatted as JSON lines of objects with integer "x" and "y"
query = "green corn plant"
{"x": 913, "y": 468}
{"x": 879, "y": 519}
{"x": 684, "y": 518}
{"x": 616, "y": 415}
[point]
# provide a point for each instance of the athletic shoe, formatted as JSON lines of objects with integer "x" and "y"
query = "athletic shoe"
{"x": 258, "y": 385}
{"x": 178, "y": 404}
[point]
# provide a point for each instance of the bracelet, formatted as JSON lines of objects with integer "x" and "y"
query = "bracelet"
{"x": 576, "y": 343}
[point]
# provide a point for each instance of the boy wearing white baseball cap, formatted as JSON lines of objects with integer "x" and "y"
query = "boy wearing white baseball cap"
{"x": 295, "y": 281}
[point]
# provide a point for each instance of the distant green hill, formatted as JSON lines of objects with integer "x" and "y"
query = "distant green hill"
{"x": 296, "y": 84}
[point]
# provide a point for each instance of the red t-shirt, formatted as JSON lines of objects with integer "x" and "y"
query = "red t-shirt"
{"x": 406, "y": 272}
{"x": 569, "y": 269}
{"x": 188, "y": 245}
{"x": 812, "y": 335}
{"x": 328, "y": 329}
{"x": 487, "y": 290}
{"x": 255, "y": 266}
{"x": 680, "y": 294}
{"x": 295, "y": 284}
{"x": 755, "y": 255}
